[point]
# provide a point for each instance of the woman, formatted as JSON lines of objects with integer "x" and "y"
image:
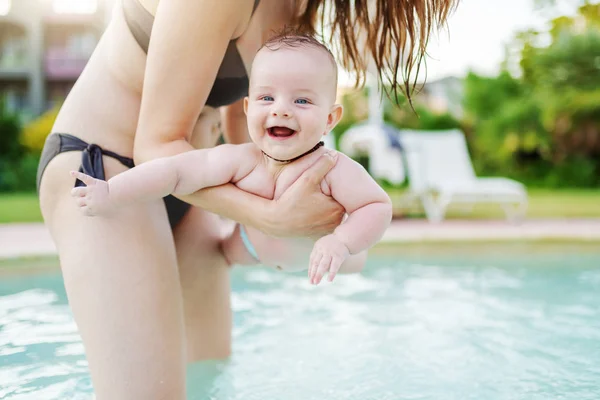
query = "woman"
{"x": 149, "y": 286}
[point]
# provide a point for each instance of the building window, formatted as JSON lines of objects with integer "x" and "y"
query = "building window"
{"x": 4, "y": 7}
{"x": 13, "y": 49}
{"x": 75, "y": 6}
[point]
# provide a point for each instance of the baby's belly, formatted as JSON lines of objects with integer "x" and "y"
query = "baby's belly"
{"x": 289, "y": 254}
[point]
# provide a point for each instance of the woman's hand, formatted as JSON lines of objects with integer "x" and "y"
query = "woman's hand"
{"x": 303, "y": 209}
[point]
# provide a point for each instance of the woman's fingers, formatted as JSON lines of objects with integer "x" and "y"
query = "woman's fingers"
{"x": 316, "y": 173}
{"x": 303, "y": 209}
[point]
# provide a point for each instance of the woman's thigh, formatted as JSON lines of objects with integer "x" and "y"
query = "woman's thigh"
{"x": 205, "y": 285}
{"x": 121, "y": 278}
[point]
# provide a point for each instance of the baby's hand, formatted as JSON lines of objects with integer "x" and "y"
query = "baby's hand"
{"x": 328, "y": 254}
{"x": 93, "y": 198}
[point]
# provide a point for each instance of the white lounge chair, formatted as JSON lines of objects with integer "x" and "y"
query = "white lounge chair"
{"x": 385, "y": 161}
{"x": 440, "y": 173}
{"x": 329, "y": 141}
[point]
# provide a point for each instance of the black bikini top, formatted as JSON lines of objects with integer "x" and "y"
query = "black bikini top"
{"x": 231, "y": 83}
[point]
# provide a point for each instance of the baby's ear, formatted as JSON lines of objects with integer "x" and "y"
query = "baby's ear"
{"x": 246, "y": 105}
{"x": 335, "y": 115}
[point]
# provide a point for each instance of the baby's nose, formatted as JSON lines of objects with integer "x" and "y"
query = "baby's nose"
{"x": 281, "y": 112}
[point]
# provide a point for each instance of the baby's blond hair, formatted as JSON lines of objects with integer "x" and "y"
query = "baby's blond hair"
{"x": 291, "y": 38}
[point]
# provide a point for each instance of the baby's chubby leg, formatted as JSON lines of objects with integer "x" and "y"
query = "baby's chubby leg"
{"x": 275, "y": 250}
{"x": 235, "y": 251}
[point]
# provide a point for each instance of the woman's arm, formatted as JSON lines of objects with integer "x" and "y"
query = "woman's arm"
{"x": 189, "y": 40}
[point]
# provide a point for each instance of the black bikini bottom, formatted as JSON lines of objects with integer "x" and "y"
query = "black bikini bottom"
{"x": 93, "y": 165}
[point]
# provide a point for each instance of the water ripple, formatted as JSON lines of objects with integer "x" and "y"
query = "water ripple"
{"x": 482, "y": 329}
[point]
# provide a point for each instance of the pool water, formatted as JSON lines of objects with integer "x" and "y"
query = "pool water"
{"x": 422, "y": 322}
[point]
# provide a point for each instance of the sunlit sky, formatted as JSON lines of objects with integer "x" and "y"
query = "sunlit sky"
{"x": 60, "y": 6}
{"x": 476, "y": 34}
{"x": 474, "y": 38}
{"x": 75, "y": 6}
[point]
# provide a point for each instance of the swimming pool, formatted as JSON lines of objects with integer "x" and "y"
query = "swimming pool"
{"x": 510, "y": 321}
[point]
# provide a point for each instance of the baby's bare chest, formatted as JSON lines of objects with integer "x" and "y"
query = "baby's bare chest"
{"x": 262, "y": 183}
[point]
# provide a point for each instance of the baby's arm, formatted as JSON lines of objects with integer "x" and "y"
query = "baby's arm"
{"x": 370, "y": 213}
{"x": 181, "y": 174}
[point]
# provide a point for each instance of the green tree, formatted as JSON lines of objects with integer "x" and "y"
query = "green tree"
{"x": 543, "y": 127}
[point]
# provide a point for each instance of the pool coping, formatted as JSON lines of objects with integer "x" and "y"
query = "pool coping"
{"x": 33, "y": 239}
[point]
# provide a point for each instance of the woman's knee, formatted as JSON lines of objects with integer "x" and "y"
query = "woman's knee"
{"x": 198, "y": 239}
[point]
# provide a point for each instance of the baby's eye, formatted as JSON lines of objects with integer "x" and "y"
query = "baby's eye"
{"x": 302, "y": 101}
{"x": 267, "y": 98}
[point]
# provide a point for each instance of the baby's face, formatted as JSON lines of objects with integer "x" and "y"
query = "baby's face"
{"x": 291, "y": 100}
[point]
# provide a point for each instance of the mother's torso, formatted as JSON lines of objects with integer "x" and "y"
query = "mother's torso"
{"x": 103, "y": 106}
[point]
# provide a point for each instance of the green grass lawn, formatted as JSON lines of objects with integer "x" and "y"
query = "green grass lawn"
{"x": 19, "y": 207}
{"x": 543, "y": 203}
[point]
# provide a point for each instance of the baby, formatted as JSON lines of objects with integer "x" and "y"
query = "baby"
{"x": 290, "y": 106}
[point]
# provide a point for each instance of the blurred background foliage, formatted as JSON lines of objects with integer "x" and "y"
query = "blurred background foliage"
{"x": 537, "y": 121}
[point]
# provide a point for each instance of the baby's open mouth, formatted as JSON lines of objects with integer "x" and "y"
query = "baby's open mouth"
{"x": 280, "y": 132}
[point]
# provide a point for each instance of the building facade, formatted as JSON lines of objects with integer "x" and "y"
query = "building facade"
{"x": 44, "y": 47}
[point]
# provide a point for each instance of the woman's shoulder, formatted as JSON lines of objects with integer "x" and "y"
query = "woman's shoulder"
{"x": 242, "y": 8}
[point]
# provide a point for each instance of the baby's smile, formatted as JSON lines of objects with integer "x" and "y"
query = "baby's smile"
{"x": 280, "y": 132}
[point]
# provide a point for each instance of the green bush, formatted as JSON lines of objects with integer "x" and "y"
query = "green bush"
{"x": 20, "y": 176}
{"x": 11, "y": 150}
{"x": 544, "y": 127}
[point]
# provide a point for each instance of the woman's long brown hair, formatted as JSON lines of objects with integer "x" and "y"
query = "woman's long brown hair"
{"x": 394, "y": 33}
